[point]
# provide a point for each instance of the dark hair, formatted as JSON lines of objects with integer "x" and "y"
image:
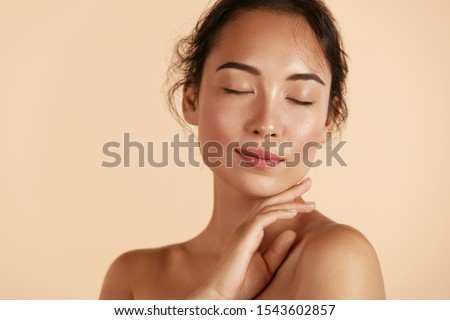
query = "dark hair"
{"x": 191, "y": 52}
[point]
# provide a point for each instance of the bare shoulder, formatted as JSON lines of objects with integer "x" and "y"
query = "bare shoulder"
{"x": 337, "y": 262}
{"x": 127, "y": 270}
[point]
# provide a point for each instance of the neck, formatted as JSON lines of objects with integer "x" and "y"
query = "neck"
{"x": 231, "y": 209}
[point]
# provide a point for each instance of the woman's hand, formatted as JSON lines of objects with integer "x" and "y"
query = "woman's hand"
{"x": 243, "y": 270}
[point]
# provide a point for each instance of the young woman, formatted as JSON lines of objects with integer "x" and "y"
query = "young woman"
{"x": 255, "y": 72}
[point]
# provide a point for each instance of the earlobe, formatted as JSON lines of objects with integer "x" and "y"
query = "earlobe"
{"x": 323, "y": 138}
{"x": 329, "y": 124}
{"x": 329, "y": 127}
{"x": 189, "y": 105}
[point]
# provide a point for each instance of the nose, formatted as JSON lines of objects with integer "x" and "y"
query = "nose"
{"x": 265, "y": 119}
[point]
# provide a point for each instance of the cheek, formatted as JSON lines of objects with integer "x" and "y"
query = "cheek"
{"x": 309, "y": 129}
{"x": 216, "y": 123}
{"x": 307, "y": 133}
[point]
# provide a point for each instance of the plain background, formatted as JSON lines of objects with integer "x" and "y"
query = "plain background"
{"x": 77, "y": 74}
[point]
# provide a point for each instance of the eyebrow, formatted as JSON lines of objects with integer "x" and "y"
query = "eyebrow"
{"x": 240, "y": 66}
{"x": 306, "y": 76}
{"x": 256, "y": 72}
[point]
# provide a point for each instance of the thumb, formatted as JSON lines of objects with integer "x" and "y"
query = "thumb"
{"x": 276, "y": 253}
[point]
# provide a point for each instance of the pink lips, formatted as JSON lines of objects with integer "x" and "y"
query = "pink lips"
{"x": 259, "y": 158}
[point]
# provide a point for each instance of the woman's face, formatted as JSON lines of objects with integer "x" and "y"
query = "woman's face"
{"x": 266, "y": 79}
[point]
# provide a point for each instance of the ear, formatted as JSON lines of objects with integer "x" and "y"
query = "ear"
{"x": 189, "y": 105}
{"x": 329, "y": 126}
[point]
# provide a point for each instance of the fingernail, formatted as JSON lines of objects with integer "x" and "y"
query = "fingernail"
{"x": 310, "y": 204}
{"x": 292, "y": 210}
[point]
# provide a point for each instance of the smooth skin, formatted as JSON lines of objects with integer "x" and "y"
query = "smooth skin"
{"x": 263, "y": 241}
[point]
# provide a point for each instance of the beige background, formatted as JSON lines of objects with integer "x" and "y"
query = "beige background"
{"x": 76, "y": 74}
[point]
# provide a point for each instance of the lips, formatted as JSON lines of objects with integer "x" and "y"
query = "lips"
{"x": 260, "y": 153}
{"x": 258, "y": 158}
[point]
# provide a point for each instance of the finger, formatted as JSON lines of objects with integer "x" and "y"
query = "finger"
{"x": 278, "y": 250}
{"x": 248, "y": 240}
{"x": 243, "y": 247}
{"x": 299, "y": 207}
{"x": 290, "y": 194}
{"x": 252, "y": 233}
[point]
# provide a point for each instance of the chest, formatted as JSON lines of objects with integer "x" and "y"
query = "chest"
{"x": 179, "y": 281}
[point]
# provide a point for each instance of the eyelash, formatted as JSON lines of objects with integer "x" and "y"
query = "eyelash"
{"x": 301, "y": 103}
{"x": 241, "y": 93}
{"x": 235, "y": 92}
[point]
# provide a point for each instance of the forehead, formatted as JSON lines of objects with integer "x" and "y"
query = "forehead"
{"x": 268, "y": 39}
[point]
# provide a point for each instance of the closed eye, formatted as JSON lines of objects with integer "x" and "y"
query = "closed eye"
{"x": 236, "y": 92}
{"x": 302, "y": 103}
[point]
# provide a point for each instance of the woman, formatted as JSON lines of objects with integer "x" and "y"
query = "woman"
{"x": 266, "y": 78}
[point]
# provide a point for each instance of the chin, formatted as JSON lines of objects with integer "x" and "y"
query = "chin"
{"x": 258, "y": 185}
